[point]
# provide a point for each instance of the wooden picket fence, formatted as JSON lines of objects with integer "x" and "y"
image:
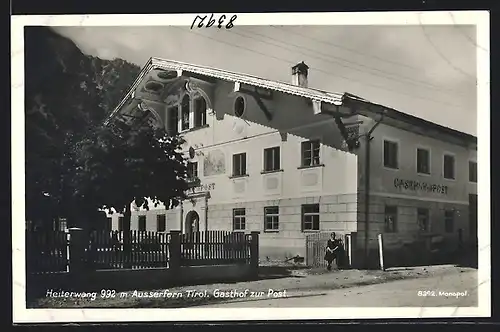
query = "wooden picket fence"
{"x": 147, "y": 249}
{"x": 47, "y": 251}
{"x": 214, "y": 247}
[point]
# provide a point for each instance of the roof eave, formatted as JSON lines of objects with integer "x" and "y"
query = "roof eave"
{"x": 378, "y": 109}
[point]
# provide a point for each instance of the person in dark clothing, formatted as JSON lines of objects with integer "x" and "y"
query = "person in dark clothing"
{"x": 332, "y": 248}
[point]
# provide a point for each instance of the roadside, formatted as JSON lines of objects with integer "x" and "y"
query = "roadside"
{"x": 451, "y": 290}
{"x": 283, "y": 281}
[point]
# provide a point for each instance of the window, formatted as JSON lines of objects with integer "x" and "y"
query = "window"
{"x": 200, "y": 112}
{"x": 142, "y": 223}
{"x": 391, "y": 154}
{"x": 185, "y": 113}
{"x": 62, "y": 224}
{"x": 449, "y": 167}
{"x": 239, "y": 106}
{"x": 271, "y": 218}
{"x": 310, "y": 153}
{"x": 449, "y": 221}
{"x": 473, "y": 171}
{"x": 240, "y": 164}
{"x": 423, "y": 161}
{"x": 391, "y": 219}
{"x": 161, "y": 222}
{"x": 109, "y": 224}
{"x": 310, "y": 217}
{"x": 173, "y": 120}
{"x": 120, "y": 223}
{"x": 239, "y": 220}
{"x": 272, "y": 159}
{"x": 423, "y": 219}
{"x": 192, "y": 170}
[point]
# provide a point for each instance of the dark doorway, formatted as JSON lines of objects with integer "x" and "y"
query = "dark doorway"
{"x": 192, "y": 222}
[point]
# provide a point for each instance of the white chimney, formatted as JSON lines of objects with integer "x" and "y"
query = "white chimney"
{"x": 299, "y": 74}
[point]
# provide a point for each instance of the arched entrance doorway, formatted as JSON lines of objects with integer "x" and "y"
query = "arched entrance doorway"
{"x": 192, "y": 222}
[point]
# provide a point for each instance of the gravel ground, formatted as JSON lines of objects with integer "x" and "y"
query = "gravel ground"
{"x": 275, "y": 282}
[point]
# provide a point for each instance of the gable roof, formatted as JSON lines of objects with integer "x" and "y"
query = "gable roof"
{"x": 371, "y": 109}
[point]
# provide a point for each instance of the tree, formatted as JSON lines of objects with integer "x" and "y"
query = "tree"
{"x": 118, "y": 165}
{"x": 74, "y": 165}
{"x": 61, "y": 102}
{"x": 67, "y": 95}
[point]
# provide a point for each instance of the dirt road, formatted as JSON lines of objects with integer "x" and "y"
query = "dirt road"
{"x": 455, "y": 290}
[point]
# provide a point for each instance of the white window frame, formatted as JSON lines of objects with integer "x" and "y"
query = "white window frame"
{"x": 180, "y": 129}
{"x": 450, "y": 154}
{"x": 272, "y": 216}
{"x": 193, "y": 102}
{"x": 246, "y": 164}
{"x": 264, "y": 159}
{"x": 320, "y": 156}
{"x": 239, "y": 217}
{"x": 398, "y": 158}
{"x": 428, "y": 149}
{"x": 304, "y": 214}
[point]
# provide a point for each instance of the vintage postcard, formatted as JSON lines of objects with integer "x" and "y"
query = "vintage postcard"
{"x": 304, "y": 165}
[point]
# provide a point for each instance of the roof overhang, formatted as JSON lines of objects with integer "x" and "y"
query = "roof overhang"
{"x": 334, "y": 104}
{"x": 408, "y": 122}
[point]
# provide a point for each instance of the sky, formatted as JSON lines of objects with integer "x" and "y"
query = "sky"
{"x": 426, "y": 71}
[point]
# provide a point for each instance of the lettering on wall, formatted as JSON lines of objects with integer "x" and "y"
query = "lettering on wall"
{"x": 420, "y": 186}
{"x": 204, "y": 187}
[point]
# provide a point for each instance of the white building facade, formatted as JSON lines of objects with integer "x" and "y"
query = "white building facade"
{"x": 288, "y": 160}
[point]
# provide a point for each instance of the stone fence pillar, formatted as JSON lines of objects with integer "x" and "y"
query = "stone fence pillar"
{"x": 78, "y": 242}
{"x": 174, "y": 248}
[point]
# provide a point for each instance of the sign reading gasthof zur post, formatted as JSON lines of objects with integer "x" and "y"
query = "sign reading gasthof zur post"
{"x": 420, "y": 186}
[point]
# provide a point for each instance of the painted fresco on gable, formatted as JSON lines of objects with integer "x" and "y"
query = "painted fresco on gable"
{"x": 214, "y": 163}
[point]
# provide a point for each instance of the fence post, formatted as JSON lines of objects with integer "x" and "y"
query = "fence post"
{"x": 381, "y": 251}
{"x": 174, "y": 248}
{"x": 460, "y": 240}
{"x": 348, "y": 250}
{"x": 77, "y": 244}
{"x": 353, "y": 248}
{"x": 254, "y": 253}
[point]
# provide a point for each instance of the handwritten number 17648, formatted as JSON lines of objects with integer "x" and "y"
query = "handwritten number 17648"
{"x": 211, "y": 21}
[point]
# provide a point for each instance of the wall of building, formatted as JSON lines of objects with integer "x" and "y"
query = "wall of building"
{"x": 333, "y": 185}
{"x": 386, "y": 189}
